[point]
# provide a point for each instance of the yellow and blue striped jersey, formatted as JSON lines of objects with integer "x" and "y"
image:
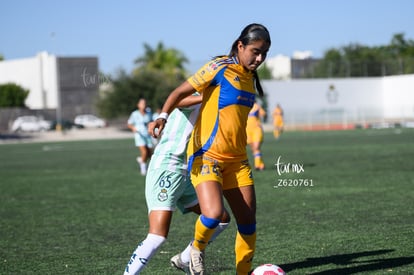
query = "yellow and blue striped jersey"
{"x": 228, "y": 95}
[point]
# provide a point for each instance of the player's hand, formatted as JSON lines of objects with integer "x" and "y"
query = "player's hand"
{"x": 155, "y": 127}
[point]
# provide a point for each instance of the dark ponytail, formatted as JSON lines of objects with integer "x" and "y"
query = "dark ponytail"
{"x": 257, "y": 83}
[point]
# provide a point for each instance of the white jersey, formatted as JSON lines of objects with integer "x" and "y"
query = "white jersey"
{"x": 170, "y": 152}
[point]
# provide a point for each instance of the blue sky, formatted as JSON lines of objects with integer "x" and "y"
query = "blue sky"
{"x": 115, "y": 31}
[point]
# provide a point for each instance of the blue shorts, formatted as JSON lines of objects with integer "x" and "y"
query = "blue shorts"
{"x": 166, "y": 190}
{"x": 141, "y": 140}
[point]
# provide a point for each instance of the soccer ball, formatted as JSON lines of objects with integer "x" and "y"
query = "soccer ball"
{"x": 268, "y": 269}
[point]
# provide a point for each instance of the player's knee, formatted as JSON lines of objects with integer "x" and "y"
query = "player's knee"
{"x": 225, "y": 218}
{"x": 213, "y": 212}
{"x": 209, "y": 222}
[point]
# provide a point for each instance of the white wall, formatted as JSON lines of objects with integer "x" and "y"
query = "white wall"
{"x": 37, "y": 74}
{"x": 359, "y": 100}
{"x": 399, "y": 96}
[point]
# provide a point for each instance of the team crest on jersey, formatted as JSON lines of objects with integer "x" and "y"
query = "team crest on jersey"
{"x": 163, "y": 196}
{"x": 212, "y": 66}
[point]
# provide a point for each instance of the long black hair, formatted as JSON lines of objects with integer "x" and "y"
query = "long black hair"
{"x": 251, "y": 33}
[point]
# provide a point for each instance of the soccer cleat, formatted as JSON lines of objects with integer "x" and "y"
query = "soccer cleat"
{"x": 178, "y": 264}
{"x": 196, "y": 262}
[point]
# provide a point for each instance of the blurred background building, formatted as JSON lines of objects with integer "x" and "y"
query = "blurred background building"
{"x": 59, "y": 87}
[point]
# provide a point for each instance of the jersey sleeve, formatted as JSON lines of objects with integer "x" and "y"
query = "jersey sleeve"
{"x": 131, "y": 119}
{"x": 205, "y": 75}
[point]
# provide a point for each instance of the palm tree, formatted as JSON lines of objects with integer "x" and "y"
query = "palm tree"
{"x": 169, "y": 61}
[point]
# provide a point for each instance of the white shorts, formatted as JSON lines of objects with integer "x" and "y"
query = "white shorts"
{"x": 166, "y": 190}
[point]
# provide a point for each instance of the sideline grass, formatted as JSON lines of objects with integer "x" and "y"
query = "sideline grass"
{"x": 79, "y": 207}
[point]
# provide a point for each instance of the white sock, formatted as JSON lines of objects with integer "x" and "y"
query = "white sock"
{"x": 185, "y": 254}
{"x": 143, "y": 167}
{"x": 220, "y": 228}
{"x": 143, "y": 253}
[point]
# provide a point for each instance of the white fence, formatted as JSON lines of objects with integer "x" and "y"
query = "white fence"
{"x": 342, "y": 103}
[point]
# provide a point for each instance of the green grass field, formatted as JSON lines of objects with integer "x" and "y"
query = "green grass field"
{"x": 79, "y": 207}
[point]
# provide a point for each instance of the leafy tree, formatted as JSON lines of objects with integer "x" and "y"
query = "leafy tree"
{"x": 12, "y": 95}
{"x": 402, "y": 51}
{"x": 1, "y": 57}
{"x": 126, "y": 90}
{"x": 170, "y": 61}
{"x": 158, "y": 72}
{"x": 331, "y": 65}
{"x": 364, "y": 61}
{"x": 358, "y": 60}
{"x": 264, "y": 72}
{"x": 400, "y": 47}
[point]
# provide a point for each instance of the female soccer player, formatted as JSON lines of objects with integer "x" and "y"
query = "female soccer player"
{"x": 217, "y": 148}
{"x": 167, "y": 186}
{"x": 277, "y": 121}
{"x": 138, "y": 123}
{"x": 255, "y": 134}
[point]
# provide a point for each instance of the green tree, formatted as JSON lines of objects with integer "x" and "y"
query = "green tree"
{"x": 158, "y": 72}
{"x": 12, "y": 95}
{"x": 364, "y": 61}
{"x": 355, "y": 60}
{"x": 331, "y": 65}
{"x": 126, "y": 90}
{"x": 400, "y": 47}
{"x": 170, "y": 61}
{"x": 401, "y": 52}
{"x": 1, "y": 57}
{"x": 264, "y": 72}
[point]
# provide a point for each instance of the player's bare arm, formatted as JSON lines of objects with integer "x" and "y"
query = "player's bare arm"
{"x": 181, "y": 92}
{"x": 190, "y": 101}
